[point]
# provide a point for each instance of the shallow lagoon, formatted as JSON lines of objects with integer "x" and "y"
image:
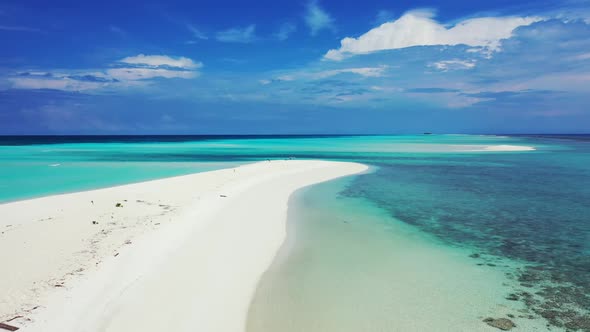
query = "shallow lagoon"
{"x": 523, "y": 215}
{"x": 347, "y": 265}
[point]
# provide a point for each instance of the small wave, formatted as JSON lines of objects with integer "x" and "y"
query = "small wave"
{"x": 54, "y": 165}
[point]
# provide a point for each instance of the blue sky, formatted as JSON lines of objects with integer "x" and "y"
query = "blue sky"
{"x": 238, "y": 67}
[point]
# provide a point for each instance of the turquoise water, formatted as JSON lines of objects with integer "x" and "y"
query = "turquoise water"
{"x": 34, "y": 166}
{"x": 36, "y": 178}
{"x": 515, "y": 225}
{"x": 348, "y": 266}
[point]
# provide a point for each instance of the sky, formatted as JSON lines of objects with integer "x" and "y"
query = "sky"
{"x": 294, "y": 67}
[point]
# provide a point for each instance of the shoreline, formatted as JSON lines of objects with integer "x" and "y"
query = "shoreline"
{"x": 169, "y": 257}
{"x": 396, "y": 277}
{"x": 199, "y": 167}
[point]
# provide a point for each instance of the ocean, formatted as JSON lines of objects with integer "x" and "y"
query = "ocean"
{"x": 441, "y": 234}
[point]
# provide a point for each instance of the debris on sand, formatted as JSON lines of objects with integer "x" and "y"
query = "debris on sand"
{"x": 8, "y": 327}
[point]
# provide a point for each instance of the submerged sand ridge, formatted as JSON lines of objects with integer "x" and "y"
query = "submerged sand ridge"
{"x": 182, "y": 253}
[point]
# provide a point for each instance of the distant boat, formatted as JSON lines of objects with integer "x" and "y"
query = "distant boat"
{"x": 427, "y": 133}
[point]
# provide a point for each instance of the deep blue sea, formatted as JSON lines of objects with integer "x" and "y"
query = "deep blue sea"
{"x": 524, "y": 215}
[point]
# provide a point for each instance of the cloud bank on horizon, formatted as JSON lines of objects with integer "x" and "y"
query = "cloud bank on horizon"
{"x": 327, "y": 69}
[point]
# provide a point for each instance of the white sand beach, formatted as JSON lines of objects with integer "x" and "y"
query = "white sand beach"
{"x": 177, "y": 254}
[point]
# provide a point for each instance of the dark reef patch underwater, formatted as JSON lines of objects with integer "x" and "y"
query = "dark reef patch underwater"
{"x": 533, "y": 208}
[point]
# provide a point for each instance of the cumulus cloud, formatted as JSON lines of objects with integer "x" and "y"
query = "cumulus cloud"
{"x": 237, "y": 35}
{"x": 317, "y": 19}
{"x": 161, "y": 61}
{"x": 546, "y": 55}
{"x": 418, "y": 28}
{"x": 132, "y": 71}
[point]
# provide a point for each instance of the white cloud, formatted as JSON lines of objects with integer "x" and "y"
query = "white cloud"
{"x": 35, "y": 73}
{"x": 285, "y": 31}
{"x": 237, "y": 35}
{"x": 317, "y": 19}
{"x": 161, "y": 60}
{"x": 132, "y": 74}
{"x": 418, "y": 28}
{"x": 64, "y": 84}
{"x": 317, "y": 75}
{"x": 364, "y": 71}
{"x": 136, "y": 72}
{"x": 453, "y": 65}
